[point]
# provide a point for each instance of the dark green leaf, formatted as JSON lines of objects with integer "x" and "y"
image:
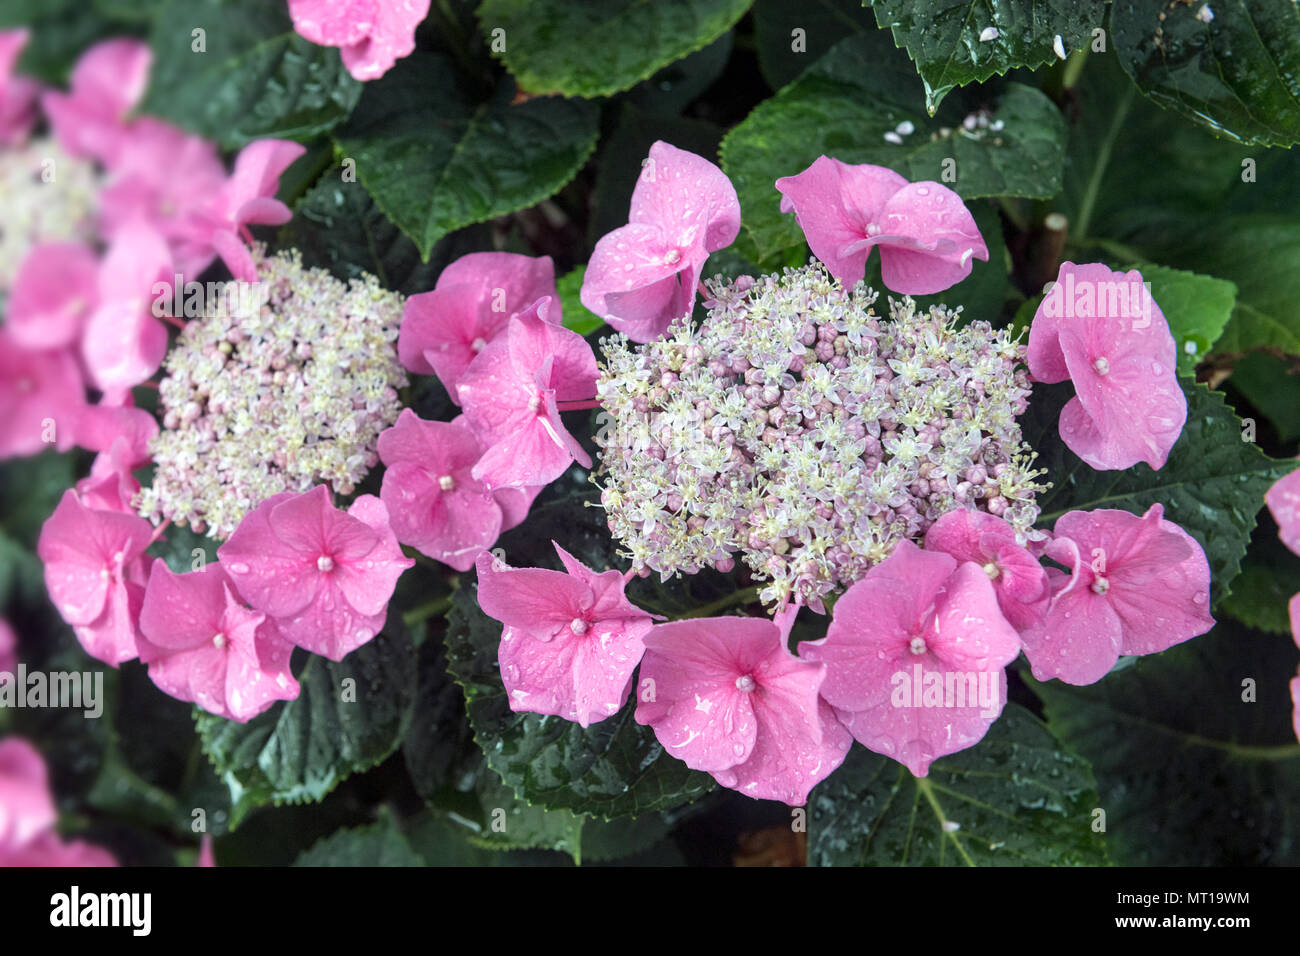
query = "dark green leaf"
{"x": 256, "y": 79}
{"x": 381, "y": 844}
{"x": 1192, "y": 769}
{"x": 1016, "y": 798}
{"x": 1197, "y": 308}
{"x": 576, "y": 315}
{"x": 436, "y": 159}
{"x": 843, "y": 111}
{"x": 1270, "y": 577}
{"x": 943, "y": 36}
{"x": 1272, "y": 385}
{"x": 1235, "y": 74}
{"x": 1212, "y": 486}
{"x": 597, "y": 49}
{"x": 782, "y": 53}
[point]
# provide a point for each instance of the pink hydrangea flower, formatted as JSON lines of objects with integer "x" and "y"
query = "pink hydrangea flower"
{"x": 41, "y": 396}
{"x": 100, "y": 428}
{"x": 168, "y": 178}
{"x": 571, "y": 639}
{"x": 324, "y": 575}
{"x": 645, "y": 274}
{"x": 444, "y": 330}
{"x": 108, "y": 81}
{"x": 95, "y": 571}
{"x": 927, "y": 236}
{"x": 1103, "y": 331}
{"x": 55, "y": 289}
{"x": 725, "y": 696}
{"x": 26, "y": 807}
{"x": 18, "y": 94}
{"x": 373, "y": 34}
{"x": 511, "y": 393}
{"x": 1018, "y": 579}
{"x": 1138, "y": 585}
{"x": 247, "y": 198}
{"x": 110, "y": 486}
{"x": 28, "y": 816}
{"x": 124, "y": 343}
{"x": 203, "y": 645}
{"x": 915, "y": 655}
{"x": 437, "y": 505}
{"x": 1284, "y": 502}
{"x": 8, "y": 648}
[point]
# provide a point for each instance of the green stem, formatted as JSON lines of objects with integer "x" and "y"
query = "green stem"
{"x": 1084, "y": 218}
{"x": 1073, "y": 68}
{"x": 427, "y": 610}
{"x": 731, "y": 600}
{"x": 1007, "y": 205}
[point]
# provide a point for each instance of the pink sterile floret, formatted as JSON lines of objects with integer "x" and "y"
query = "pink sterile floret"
{"x": 1284, "y": 502}
{"x": 571, "y": 639}
{"x": 444, "y": 330}
{"x": 927, "y": 236}
{"x": 724, "y": 695}
{"x": 247, "y": 198}
{"x": 1138, "y": 585}
{"x": 124, "y": 343}
{"x": 110, "y": 486}
{"x": 915, "y": 655}
{"x": 436, "y": 504}
{"x": 53, "y": 292}
{"x": 510, "y": 395}
{"x": 1112, "y": 341}
{"x": 28, "y": 816}
{"x": 107, "y": 83}
{"x": 41, "y": 395}
{"x": 95, "y": 571}
{"x": 645, "y": 274}
{"x": 373, "y": 34}
{"x": 1018, "y": 579}
{"x": 203, "y": 645}
{"x": 8, "y": 648}
{"x": 17, "y": 93}
{"x": 325, "y": 576}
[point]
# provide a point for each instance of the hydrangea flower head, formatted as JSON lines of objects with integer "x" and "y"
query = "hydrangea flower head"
{"x": 95, "y": 571}
{"x": 437, "y": 505}
{"x": 203, "y": 645}
{"x": 1137, "y": 585}
{"x": 1103, "y": 331}
{"x": 571, "y": 639}
{"x": 511, "y": 394}
{"x": 1284, "y": 503}
{"x": 1018, "y": 578}
{"x": 444, "y": 330}
{"x": 725, "y": 696}
{"x": 807, "y": 434}
{"x": 918, "y": 622}
{"x": 644, "y": 275}
{"x": 37, "y": 211}
{"x": 927, "y": 236}
{"x": 373, "y": 34}
{"x": 263, "y": 398}
{"x": 325, "y": 576}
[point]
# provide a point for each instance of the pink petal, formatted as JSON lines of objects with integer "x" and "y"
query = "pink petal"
{"x": 368, "y": 580}
{"x": 26, "y": 805}
{"x": 334, "y": 22}
{"x": 1018, "y": 579}
{"x": 53, "y": 292}
{"x": 274, "y": 578}
{"x": 1284, "y": 502}
{"x": 389, "y": 40}
{"x": 539, "y": 603}
{"x": 41, "y": 398}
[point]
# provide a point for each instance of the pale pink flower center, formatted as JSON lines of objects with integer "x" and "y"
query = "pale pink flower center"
{"x": 447, "y": 483}
{"x": 745, "y": 683}
{"x": 992, "y": 570}
{"x": 219, "y": 640}
{"x": 672, "y": 257}
{"x": 917, "y": 646}
{"x": 579, "y": 626}
{"x": 325, "y": 563}
{"x": 1100, "y": 586}
{"x": 1102, "y": 365}
{"x": 478, "y": 345}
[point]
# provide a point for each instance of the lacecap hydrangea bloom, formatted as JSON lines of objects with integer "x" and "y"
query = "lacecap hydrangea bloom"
{"x": 801, "y": 430}
{"x": 267, "y": 397}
